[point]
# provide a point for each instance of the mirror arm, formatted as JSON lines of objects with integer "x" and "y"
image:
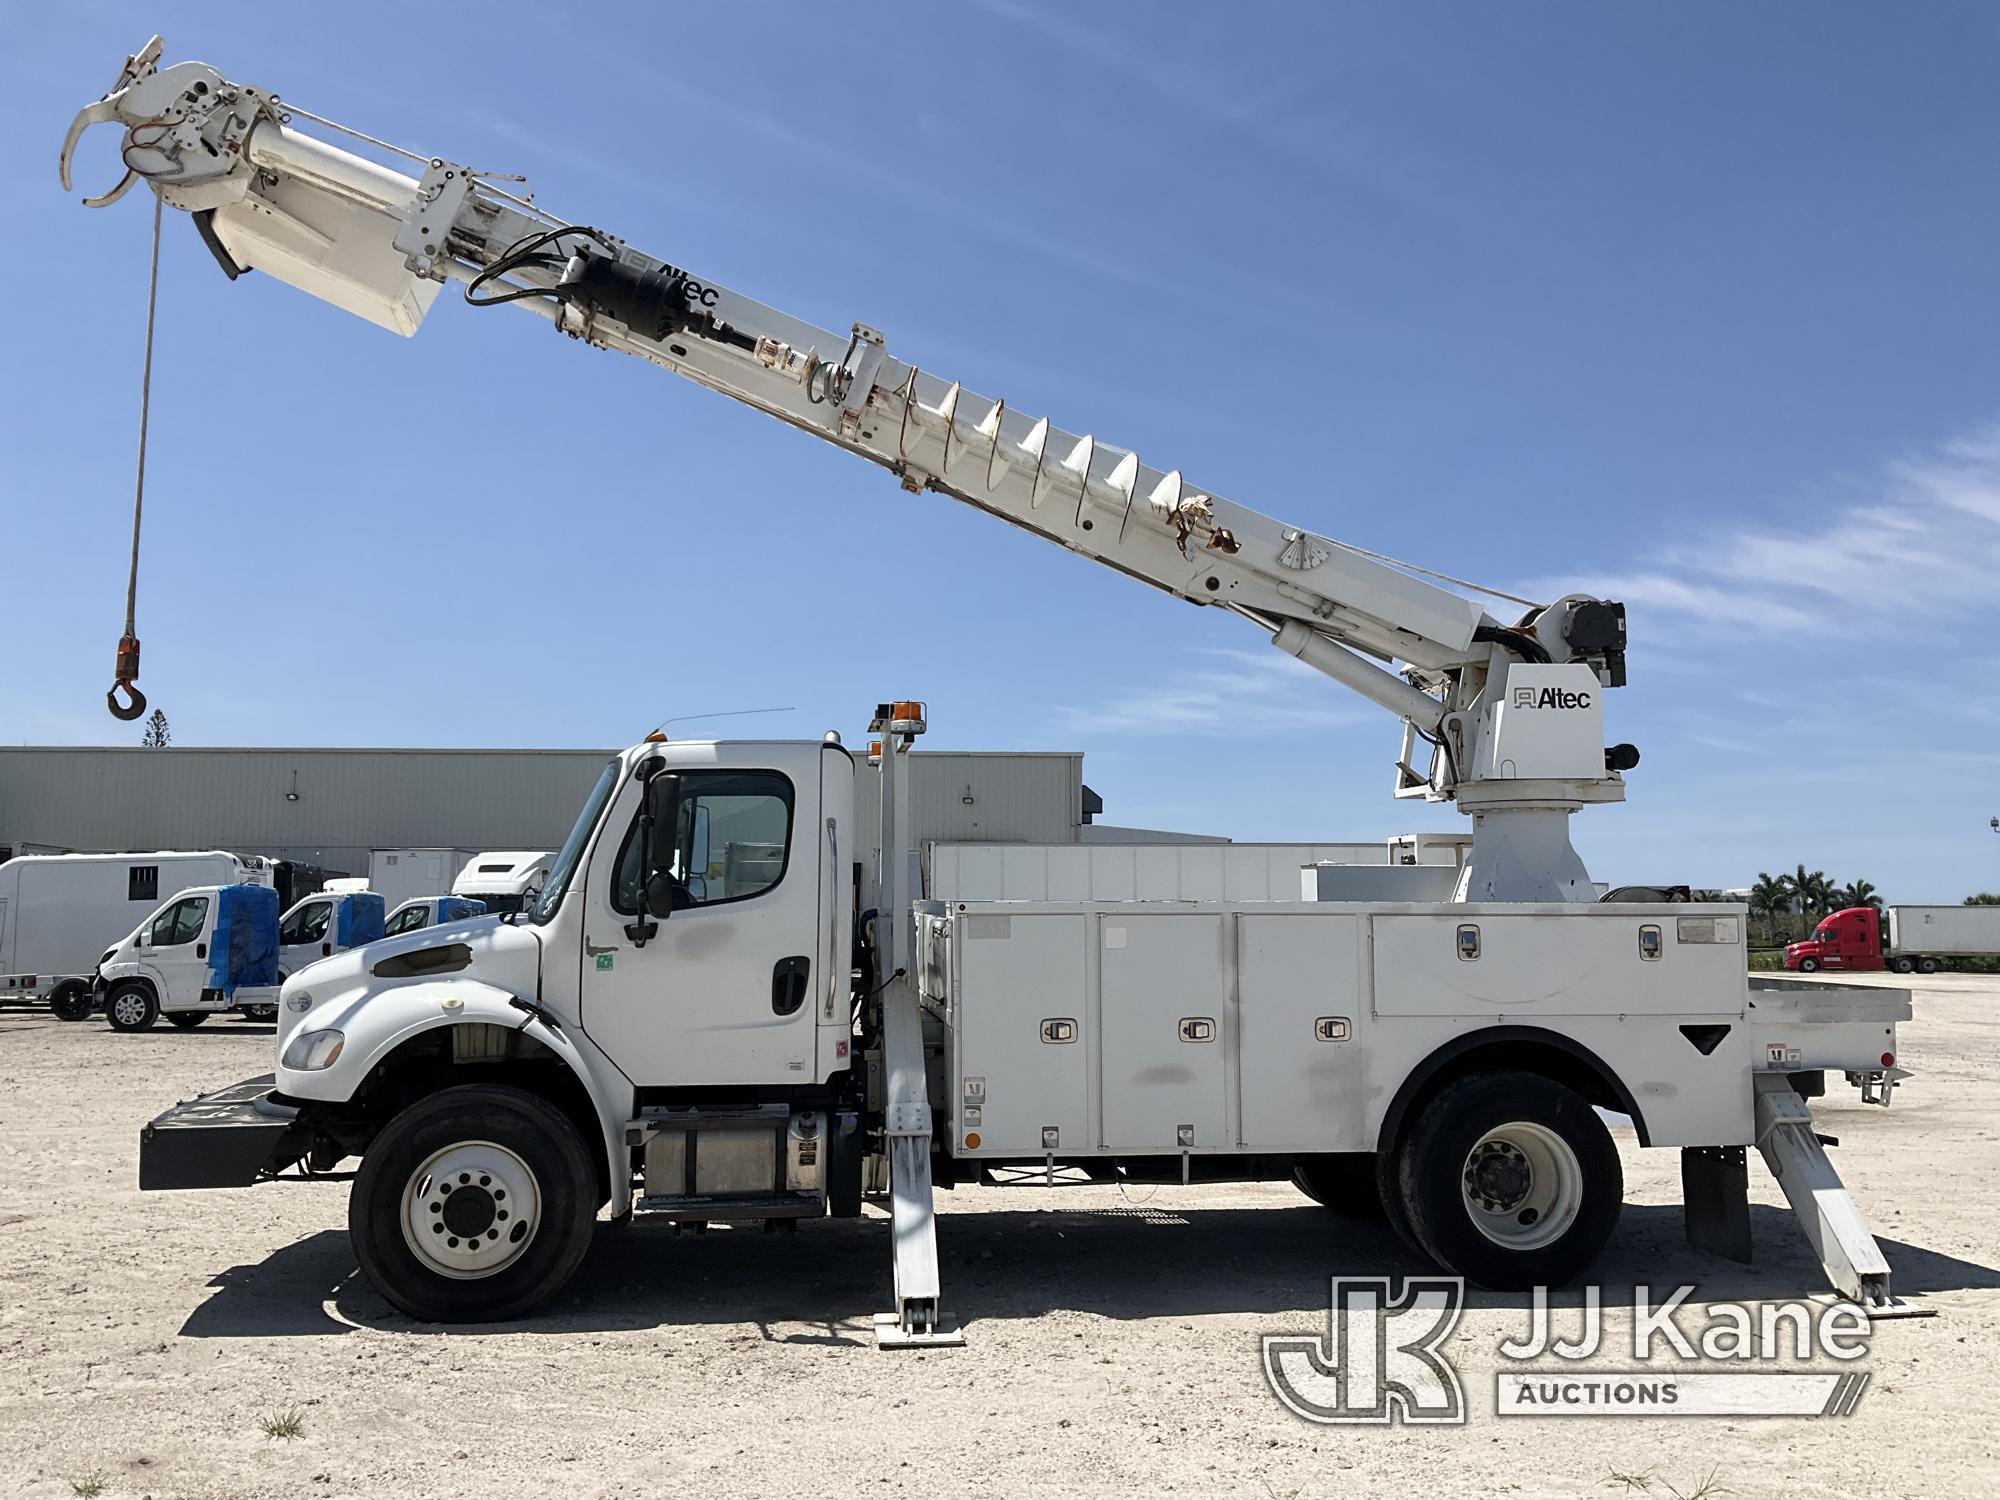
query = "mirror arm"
{"x": 642, "y": 929}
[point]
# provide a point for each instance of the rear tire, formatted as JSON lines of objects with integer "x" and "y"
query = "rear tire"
{"x": 71, "y": 1002}
{"x": 1808, "y": 966}
{"x": 519, "y": 1227}
{"x": 187, "y": 1020}
{"x": 1342, "y": 1181}
{"x": 259, "y": 1012}
{"x": 1927, "y": 966}
{"x": 1903, "y": 965}
{"x": 1510, "y": 1180}
{"x": 131, "y": 1007}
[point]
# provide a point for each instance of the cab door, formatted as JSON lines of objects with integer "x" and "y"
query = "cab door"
{"x": 177, "y": 952}
{"x": 305, "y": 936}
{"x": 722, "y": 992}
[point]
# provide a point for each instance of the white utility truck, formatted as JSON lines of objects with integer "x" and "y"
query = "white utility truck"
{"x": 691, "y": 1021}
{"x": 209, "y": 949}
{"x": 399, "y": 875}
{"x": 431, "y": 911}
{"x": 504, "y": 879}
{"x": 58, "y": 911}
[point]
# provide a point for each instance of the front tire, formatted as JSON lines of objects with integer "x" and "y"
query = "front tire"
{"x": 131, "y": 1007}
{"x": 71, "y": 1003}
{"x": 187, "y": 1020}
{"x": 1808, "y": 966}
{"x": 473, "y": 1205}
{"x": 1510, "y": 1180}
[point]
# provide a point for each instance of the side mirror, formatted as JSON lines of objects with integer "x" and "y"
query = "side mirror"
{"x": 663, "y": 816}
{"x": 145, "y": 940}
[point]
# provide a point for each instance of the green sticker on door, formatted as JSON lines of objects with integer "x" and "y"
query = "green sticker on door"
{"x": 604, "y": 960}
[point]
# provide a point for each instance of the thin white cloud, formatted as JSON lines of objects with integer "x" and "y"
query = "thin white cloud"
{"x": 1919, "y": 544}
{"x": 1222, "y": 691}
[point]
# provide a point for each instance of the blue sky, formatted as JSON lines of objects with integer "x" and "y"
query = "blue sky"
{"x": 1693, "y": 304}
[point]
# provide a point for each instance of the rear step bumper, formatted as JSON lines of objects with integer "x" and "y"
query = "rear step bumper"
{"x": 226, "y": 1139}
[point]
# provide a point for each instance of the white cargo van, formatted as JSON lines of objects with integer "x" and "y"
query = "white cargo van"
{"x": 209, "y": 949}
{"x": 503, "y": 878}
{"x": 431, "y": 911}
{"x": 323, "y": 925}
{"x": 59, "y": 912}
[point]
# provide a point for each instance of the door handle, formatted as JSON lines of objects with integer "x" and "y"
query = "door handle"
{"x": 326, "y": 950}
{"x": 788, "y": 984}
{"x": 201, "y": 950}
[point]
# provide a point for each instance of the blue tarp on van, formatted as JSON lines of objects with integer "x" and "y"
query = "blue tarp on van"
{"x": 458, "y": 908}
{"x": 358, "y": 918}
{"x": 244, "y": 950}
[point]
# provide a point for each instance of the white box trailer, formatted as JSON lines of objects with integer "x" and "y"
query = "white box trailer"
{"x": 1945, "y": 931}
{"x": 60, "y": 913}
{"x": 399, "y": 875}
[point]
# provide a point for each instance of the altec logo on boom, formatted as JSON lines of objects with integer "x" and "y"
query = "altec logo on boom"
{"x": 1549, "y": 697}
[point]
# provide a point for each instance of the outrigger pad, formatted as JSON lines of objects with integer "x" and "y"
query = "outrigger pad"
{"x": 1715, "y": 1187}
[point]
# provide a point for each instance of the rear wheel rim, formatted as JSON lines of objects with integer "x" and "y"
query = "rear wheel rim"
{"x": 1522, "y": 1186}
{"x": 129, "y": 1008}
{"x": 471, "y": 1210}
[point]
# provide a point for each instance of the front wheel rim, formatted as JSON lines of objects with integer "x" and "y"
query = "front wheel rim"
{"x": 130, "y": 1009}
{"x": 471, "y": 1210}
{"x": 1522, "y": 1186}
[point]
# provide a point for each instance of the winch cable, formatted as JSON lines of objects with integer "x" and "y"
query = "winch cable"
{"x": 126, "y": 673}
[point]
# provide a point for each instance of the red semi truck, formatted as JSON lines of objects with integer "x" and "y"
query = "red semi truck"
{"x": 1908, "y": 939}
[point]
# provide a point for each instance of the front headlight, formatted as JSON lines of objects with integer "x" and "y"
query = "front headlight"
{"x": 311, "y": 1050}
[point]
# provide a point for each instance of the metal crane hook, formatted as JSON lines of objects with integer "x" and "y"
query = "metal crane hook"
{"x": 125, "y": 679}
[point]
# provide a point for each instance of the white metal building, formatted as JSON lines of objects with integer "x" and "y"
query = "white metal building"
{"x": 331, "y": 807}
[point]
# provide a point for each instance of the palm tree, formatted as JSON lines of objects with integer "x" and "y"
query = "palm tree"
{"x": 1808, "y": 890}
{"x": 1767, "y": 899}
{"x": 1984, "y": 898}
{"x": 1706, "y": 894}
{"x": 1860, "y": 893}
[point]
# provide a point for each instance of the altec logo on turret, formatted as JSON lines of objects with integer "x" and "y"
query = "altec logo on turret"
{"x": 1549, "y": 697}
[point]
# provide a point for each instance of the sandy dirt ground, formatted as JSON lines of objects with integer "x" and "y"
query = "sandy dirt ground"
{"x": 1112, "y": 1337}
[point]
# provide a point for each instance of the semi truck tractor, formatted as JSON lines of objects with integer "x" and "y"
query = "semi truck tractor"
{"x": 727, "y": 1002}
{"x": 1905, "y": 939}
{"x": 504, "y": 879}
{"x": 58, "y": 911}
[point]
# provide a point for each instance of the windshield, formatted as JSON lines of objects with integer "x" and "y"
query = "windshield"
{"x": 572, "y": 850}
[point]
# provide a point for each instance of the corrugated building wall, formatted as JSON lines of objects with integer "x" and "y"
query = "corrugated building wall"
{"x": 326, "y": 806}
{"x": 331, "y": 807}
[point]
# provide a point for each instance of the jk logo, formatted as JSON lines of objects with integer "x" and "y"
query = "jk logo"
{"x": 1380, "y": 1360}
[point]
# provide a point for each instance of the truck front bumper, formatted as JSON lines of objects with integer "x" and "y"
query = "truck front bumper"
{"x": 230, "y": 1138}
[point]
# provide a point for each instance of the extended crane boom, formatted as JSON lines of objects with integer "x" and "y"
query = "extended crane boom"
{"x": 1512, "y": 713}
